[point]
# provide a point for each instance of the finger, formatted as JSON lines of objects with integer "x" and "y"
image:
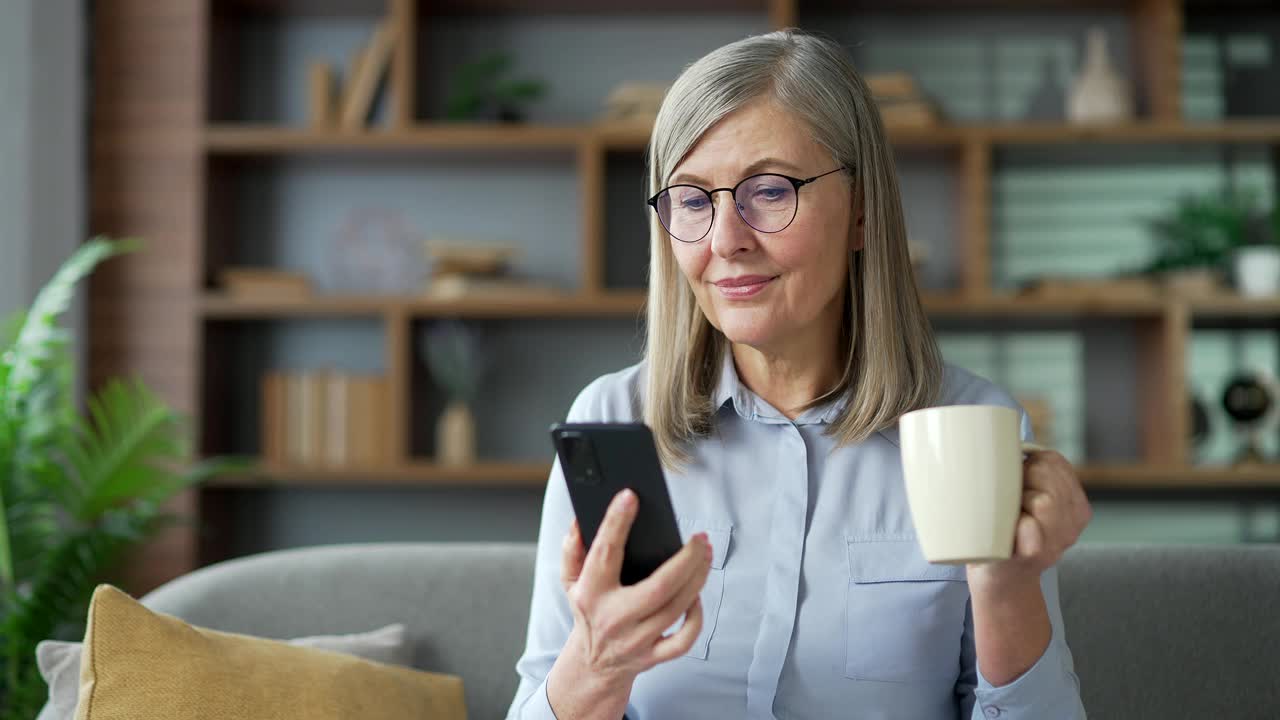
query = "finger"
{"x": 1053, "y": 476}
{"x": 1057, "y": 521}
{"x": 653, "y": 625}
{"x": 603, "y": 565}
{"x": 572, "y": 555}
{"x": 1028, "y": 538}
{"x": 655, "y": 591}
{"x": 679, "y": 642}
{"x": 1037, "y": 502}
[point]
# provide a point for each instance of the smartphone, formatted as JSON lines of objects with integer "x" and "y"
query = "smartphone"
{"x": 600, "y": 460}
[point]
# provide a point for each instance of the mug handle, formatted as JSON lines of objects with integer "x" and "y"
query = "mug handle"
{"x": 1030, "y": 447}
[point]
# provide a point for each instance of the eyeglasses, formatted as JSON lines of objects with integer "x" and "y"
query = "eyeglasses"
{"x": 767, "y": 202}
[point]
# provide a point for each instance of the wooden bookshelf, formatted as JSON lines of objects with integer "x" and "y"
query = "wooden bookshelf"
{"x": 155, "y": 153}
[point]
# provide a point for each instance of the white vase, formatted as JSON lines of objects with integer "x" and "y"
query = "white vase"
{"x": 456, "y": 436}
{"x": 1257, "y": 271}
{"x": 1099, "y": 94}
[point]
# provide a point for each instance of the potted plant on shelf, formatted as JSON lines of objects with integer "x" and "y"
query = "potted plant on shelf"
{"x": 77, "y": 487}
{"x": 457, "y": 364}
{"x": 1195, "y": 242}
{"x": 1256, "y": 262}
{"x": 481, "y": 91}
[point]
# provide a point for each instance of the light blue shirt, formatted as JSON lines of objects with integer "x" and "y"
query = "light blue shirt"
{"x": 819, "y": 603}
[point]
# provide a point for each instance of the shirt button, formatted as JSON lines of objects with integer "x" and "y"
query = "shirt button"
{"x": 992, "y": 712}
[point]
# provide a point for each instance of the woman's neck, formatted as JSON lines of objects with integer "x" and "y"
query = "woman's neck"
{"x": 790, "y": 377}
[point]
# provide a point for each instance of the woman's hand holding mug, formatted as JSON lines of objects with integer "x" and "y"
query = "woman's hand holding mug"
{"x": 618, "y": 629}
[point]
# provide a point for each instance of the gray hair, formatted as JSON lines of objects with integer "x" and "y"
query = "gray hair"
{"x": 892, "y": 364}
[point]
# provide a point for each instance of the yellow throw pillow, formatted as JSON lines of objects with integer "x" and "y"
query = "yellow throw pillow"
{"x": 142, "y": 665}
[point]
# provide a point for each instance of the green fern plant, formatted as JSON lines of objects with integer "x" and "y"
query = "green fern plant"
{"x": 76, "y": 489}
{"x": 1204, "y": 230}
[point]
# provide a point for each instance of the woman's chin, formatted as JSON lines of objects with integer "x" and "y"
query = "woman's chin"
{"x": 743, "y": 331}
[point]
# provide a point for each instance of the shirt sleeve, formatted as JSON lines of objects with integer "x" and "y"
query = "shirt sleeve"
{"x": 1048, "y": 690}
{"x": 550, "y": 618}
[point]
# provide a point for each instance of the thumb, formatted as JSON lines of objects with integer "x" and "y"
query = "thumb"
{"x": 572, "y": 556}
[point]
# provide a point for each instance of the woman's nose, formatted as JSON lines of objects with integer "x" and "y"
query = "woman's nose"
{"x": 730, "y": 234}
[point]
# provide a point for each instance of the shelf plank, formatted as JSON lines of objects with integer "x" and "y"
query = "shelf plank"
{"x": 1158, "y": 477}
{"x": 535, "y": 473}
{"x": 1013, "y": 305}
{"x": 1234, "y": 131}
{"x": 631, "y": 302}
{"x": 219, "y": 306}
{"x": 585, "y": 305}
{"x": 267, "y": 140}
{"x": 622, "y": 303}
{"x": 264, "y": 140}
{"x": 1235, "y": 306}
{"x": 481, "y": 474}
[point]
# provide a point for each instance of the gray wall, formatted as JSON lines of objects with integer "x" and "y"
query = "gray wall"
{"x": 42, "y": 127}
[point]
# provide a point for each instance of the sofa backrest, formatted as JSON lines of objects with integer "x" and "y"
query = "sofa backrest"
{"x": 466, "y": 605}
{"x": 1156, "y": 631}
{"x": 1174, "y": 631}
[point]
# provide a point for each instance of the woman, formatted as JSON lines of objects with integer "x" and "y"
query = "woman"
{"x": 785, "y": 338}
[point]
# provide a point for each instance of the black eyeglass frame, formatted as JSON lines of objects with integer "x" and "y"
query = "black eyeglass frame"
{"x": 796, "y": 184}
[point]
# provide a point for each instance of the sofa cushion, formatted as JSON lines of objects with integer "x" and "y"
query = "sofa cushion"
{"x": 59, "y": 661}
{"x": 140, "y": 664}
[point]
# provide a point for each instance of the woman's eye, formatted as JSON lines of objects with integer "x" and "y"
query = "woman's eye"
{"x": 770, "y": 193}
{"x": 694, "y": 203}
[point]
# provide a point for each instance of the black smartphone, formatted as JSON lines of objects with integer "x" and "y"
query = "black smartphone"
{"x": 600, "y": 460}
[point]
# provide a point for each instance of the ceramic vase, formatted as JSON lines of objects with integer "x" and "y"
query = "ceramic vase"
{"x": 1099, "y": 94}
{"x": 456, "y": 436}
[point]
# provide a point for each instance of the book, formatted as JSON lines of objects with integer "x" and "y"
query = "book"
{"x": 293, "y": 450}
{"x": 892, "y": 86}
{"x": 460, "y": 285}
{"x": 365, "y": 77}
{"x": 381, "y": 425}
{"x": 265, "y": 284}
{"x": 913, "y": 113}
{"x": 311, "y": 418}
{"x": 338, "y": 420}
{"x": 274, "y": 431}
{"x": 361, "y": 434}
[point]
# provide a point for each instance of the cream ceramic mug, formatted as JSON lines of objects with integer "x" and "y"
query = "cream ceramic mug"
{"x": 962, "y": 465}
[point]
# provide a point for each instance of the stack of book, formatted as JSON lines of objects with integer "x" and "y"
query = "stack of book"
{"x": 901, "y": 102}
{"x": 326, "y": 419}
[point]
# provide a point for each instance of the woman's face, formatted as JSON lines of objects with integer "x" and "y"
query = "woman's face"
{"x": 797, "y": 275}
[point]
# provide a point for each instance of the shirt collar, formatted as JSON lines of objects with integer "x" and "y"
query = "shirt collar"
{"x": 750, "y": 406}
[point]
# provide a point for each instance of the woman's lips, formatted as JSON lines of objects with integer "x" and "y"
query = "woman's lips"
{"x": 740, "y": 289}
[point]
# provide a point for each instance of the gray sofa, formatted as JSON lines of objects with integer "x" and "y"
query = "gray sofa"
{"x": 1157, "y": 632}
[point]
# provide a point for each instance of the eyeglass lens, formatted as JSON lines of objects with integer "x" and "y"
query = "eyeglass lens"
{"x": 766, "y": 202}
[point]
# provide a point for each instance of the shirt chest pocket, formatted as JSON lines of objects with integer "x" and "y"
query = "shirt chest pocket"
{"x": 713, "y": 591}
{"x": 904, "y": 617}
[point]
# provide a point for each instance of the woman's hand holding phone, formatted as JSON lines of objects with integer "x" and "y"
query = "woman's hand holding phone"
{"x": 617, "y": 629}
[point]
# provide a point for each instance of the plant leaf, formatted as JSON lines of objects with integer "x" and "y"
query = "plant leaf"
{"x": 135, "y": 448}
{"x": 33, "y": 348}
